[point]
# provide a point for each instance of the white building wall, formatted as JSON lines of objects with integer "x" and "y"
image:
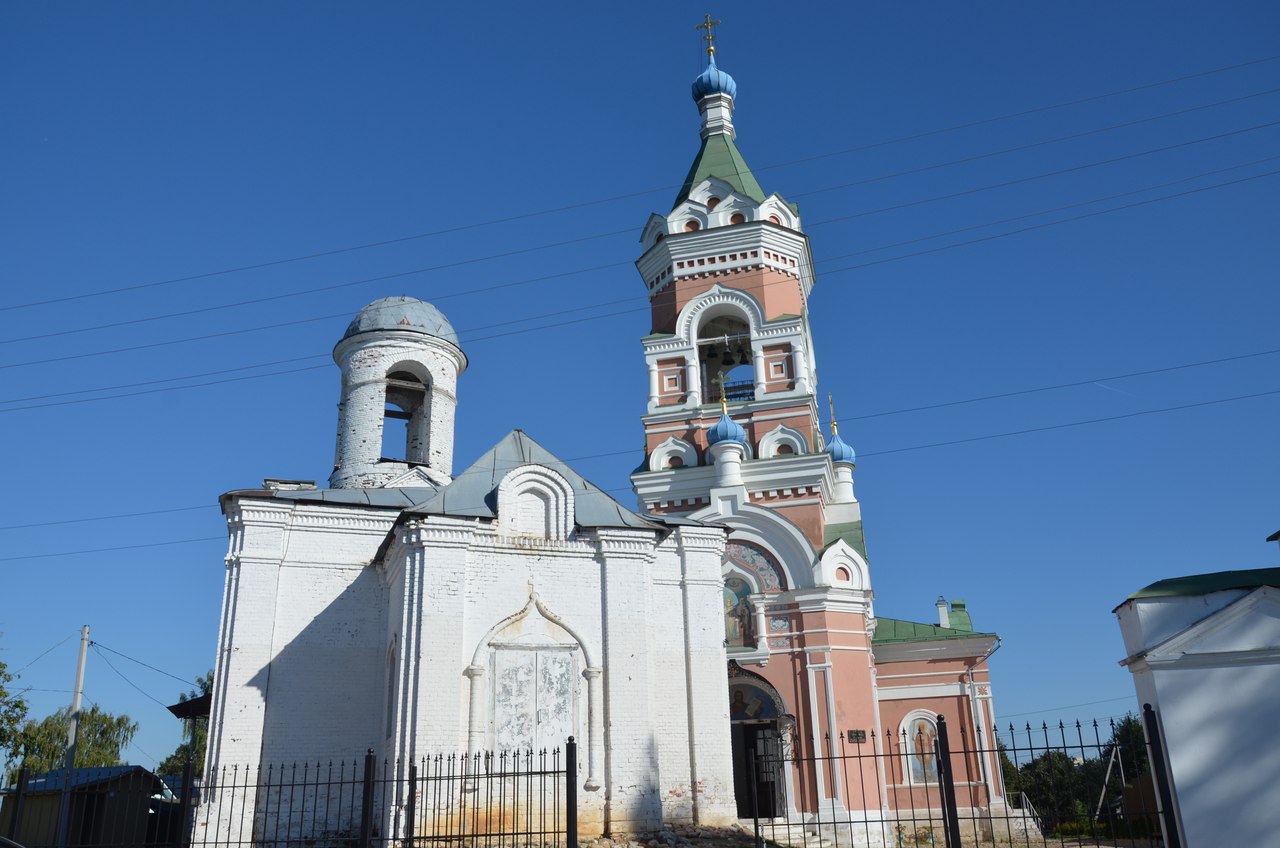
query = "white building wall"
{"x": 318, "y": 634}
{"x": 1209, "y": 665}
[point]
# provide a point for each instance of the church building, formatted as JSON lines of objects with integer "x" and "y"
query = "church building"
{"x": 514, "y": 604}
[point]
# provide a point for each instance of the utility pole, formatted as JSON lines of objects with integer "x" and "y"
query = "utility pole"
{"x": 73, "y": 737}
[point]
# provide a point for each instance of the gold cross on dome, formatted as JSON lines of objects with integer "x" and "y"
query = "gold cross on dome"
{"x": 831, "y": 404}
{"x": 710, "y": 37}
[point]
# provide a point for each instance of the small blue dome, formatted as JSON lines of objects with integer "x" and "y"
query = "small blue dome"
{"x": 713, "y": 81}
{"x": 726, "y": 430}
{"x": 403, "y": 313}
{"x": 840, "y": 452}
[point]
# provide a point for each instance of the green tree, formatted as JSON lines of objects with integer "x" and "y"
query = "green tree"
{"x": 41, "y": 745}
{"x": 13, "y": 710}
{"x": 1129, "y": 736}
{"x": 1052, "y": 783}
{"x": 1009, "y": 771}
{"x": 195, "y": 733}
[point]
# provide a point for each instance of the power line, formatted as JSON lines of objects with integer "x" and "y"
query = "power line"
{"x": 1064, "y": 208}
{"x": 117, "y": 548}
{"x": 278, "y": 325}
{"x": 1068, "y": 707}
{"x": 844, "y": 420}
{"x": 1049, "y": 427}
{"x": 143, "y": 664}
{"x": 122, "y": 676}
{"x": 584, "y": 204}
{"x": 106, "y": 518}
{"x": 164, "y": 380}
{"x": 897, "y": 207}
{"x": 45, "y": 652}
{"x": 565, "y": 462}
{"x": 1056, "y": 386}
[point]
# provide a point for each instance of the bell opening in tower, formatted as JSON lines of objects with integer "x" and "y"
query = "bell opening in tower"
{"x": 724, "y": 353}
{"x": 402, "y": 439}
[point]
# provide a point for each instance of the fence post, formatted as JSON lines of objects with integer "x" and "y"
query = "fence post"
{"x": 366, "y": 807}
{"x": 952, "y": 822}
{"x": 411, "y": 806}
{"x": 570, "y": 793}
{"x": 755, "y": 795}
{"x": 20, "y": 793}
{"x": 1160, "y": 771}
{"x": 185, "y": 820}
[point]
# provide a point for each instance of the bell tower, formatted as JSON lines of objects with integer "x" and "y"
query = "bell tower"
{"x": 729, "y": 274}
{"x": 400, "y": 362}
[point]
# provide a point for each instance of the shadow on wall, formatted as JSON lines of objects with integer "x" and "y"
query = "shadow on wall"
{"x": 325, "y": 690}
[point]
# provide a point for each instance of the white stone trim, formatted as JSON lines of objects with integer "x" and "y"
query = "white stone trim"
{"x": 921, "y": 690}
{"x": 783, "y": 435}
{"x": 673, "y": 447}
{"x": 535, "y": 501}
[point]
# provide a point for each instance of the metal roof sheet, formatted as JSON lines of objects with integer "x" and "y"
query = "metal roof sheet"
{"x": 898, "y": 630}
{"x": 1204, "y": 584}
{"x": 474, "y": 492}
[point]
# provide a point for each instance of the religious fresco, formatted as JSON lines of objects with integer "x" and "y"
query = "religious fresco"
{"x": 749, "y": 702}
{"x": 757, "y": 562}
{"x": 739, "y": 621}
{"x": 921, "y": 757}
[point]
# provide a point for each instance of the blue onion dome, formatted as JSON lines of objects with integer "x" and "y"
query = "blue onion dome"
{"x": 726, "y": 430}
{"x": 840, "y": 451}
{"x": 403, "y": 313}
{"x": 713, "y": 81}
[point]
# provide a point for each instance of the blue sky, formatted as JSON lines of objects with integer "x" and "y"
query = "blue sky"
{"x": 148, "y": 142}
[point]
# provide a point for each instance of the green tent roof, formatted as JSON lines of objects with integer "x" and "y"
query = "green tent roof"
{"x": 719, "y": 157}
{"x": 1203, "y": 584}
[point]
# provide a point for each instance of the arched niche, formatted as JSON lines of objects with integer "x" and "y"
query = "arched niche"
{"x": 535, "y": 502}
{"x": 783, "y": 441}
{"x": 537, "y": 662}
{"x": 673, "y": 453}
{"x": 843, "y": 567}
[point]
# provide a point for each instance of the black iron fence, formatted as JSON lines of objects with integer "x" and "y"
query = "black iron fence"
{"x": 1092, "y": 783}
{"x": 483, "y": 799}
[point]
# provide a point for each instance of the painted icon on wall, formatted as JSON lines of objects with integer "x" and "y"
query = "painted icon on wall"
{"x": 739, "y": 630}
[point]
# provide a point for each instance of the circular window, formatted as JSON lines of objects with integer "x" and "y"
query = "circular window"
{"x": 713, "y": 202}
{"x": 737, "y": 218}
{"x": 692, "y": 226}
{"x": 774, "y": 219}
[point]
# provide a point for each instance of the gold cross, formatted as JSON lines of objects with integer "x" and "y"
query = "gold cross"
{"x": 724, "y": 402}
{"x": 710, "y": 37}
{"x": 835, "y": 429}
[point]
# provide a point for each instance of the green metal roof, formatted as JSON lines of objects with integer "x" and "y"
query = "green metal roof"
{"x": 850, "y": 532}
{"x": 719, "y": 157}
{"x": 897, "y": 630}
{"x": 1203, "y": 584}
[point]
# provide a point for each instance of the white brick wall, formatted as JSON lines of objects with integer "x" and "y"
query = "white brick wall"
{"x": 309, "y": 621}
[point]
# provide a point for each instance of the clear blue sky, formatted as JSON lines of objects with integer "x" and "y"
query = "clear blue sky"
{"x": 144, "y": 142}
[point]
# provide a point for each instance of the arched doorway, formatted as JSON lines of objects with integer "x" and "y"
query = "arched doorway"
{"x": 759, "y": 724}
